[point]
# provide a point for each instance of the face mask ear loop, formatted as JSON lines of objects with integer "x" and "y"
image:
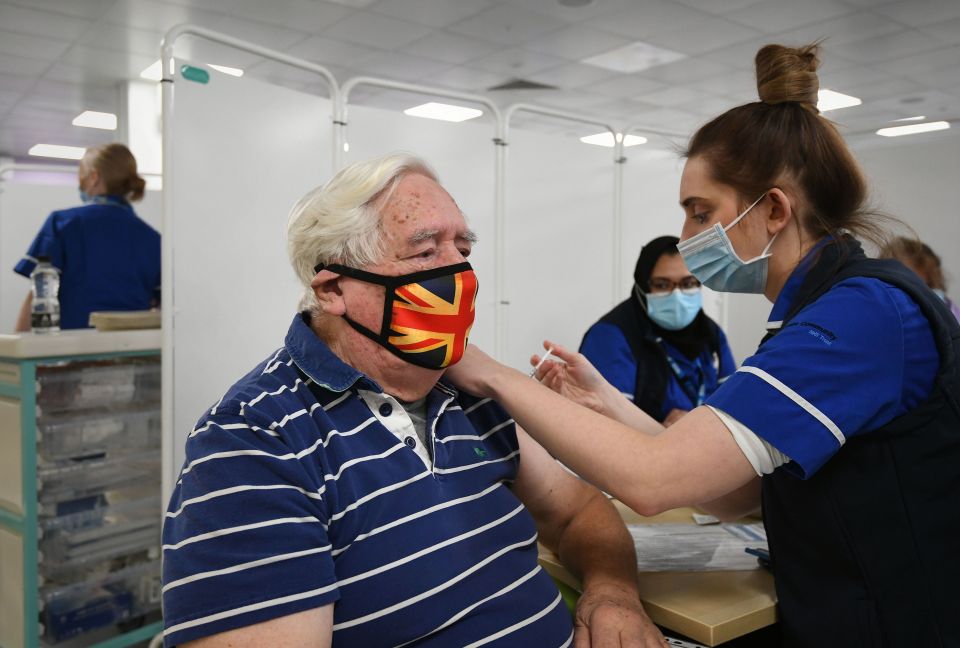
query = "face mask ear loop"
{"x": 744, "y": 213}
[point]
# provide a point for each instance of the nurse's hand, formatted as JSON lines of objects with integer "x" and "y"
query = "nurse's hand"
{"x": 574, "y": 377}
{"x": 475, "y": 372}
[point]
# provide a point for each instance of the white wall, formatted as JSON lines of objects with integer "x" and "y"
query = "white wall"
{"x": 26, "y": 199}
{"x": 244, "y": 153}
{"x": 915, "y": 179}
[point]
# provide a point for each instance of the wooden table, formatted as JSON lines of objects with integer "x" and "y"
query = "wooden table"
{"x": 709, "y": 607}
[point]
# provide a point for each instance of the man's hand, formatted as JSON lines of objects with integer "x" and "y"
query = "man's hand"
{"x": 612, "y": 617}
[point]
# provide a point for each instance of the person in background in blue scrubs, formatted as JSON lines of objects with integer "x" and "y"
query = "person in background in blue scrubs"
{"x": 658, "y": 347}
{"x": 919, "y": 257}
{"x": 846, "y": 421}
{"x": 109, "y": 259}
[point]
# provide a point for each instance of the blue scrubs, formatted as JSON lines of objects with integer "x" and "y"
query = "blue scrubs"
{"x": 848, "y": 363}
{"x": 689, "y": 382}
{"x": 109, "y": 259}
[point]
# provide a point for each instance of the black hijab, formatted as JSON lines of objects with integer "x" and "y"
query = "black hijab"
{"x": 690, "y": 341}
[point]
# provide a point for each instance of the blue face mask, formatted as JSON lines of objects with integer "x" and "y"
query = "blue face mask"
{"x": 711, "y": 258}
{"x": 675, "y": 310}
{"x": 84, "y": 196}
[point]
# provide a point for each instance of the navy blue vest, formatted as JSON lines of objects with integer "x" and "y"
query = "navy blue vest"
{"x": 866, "y": 552}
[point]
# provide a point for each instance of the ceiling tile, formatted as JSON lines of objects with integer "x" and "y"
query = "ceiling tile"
{"x": 841, "y": 29}
{"x": 918, "y": 13}
{"x": 376, "y": 30}
{"x": 302, "y": 15}
{"x": 124, "y": 38}
{"x": 90, "y": 96}
{"x": 19, "y": 65}
{"x": 394, "y": 65}
{"x": 92, "y": 9}
{"x": 573, "y": 100}
{"x": 201, "y": 50}
{"x": 670, "y": 119}
{"x": 454, "y": 49}
{"x": 703, "y": 35}
{"x": 673, "y": 96}
{"x": 571, "y": 75}
{"x": 573, "y": 14}
{"x": 515, "y": 62}
{"x": 891, "y": 46}
{"x": 689, "y": 70}
{"x": 774, "y": 16}
{"x": 719, "y": 7}
{"x": 948, "y": 31}
{"x": 741, "y": 56}
{"x": 258, "y": 33}
{"x": 158, "y": 16}
{"x": 577, "y": 42}
{"x": 326, "y": 51}
{"x": 939, "y": 78}
{"x": 709, "y": 107}
{"x": 740, "y": 85}
{"x": 945, "y": 57}
{"x": 624, "y": 86}
{"x": 468, "y": 79}
{"x": 42, "y": 23}
{"x": 507, "y": 24}
{"x": 647, "y": 18}
{"x": 435, "y": 13}
{"x": 283, "y": 74}
{"x": 31, "y": 46}
{"x": 873, "y": 91}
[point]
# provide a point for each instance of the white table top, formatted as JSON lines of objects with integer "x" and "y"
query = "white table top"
{"x": 77, "y": 342}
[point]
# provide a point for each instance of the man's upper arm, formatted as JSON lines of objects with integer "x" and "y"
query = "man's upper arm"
{"x": 307, "y": 629}
{"x": 552, "y": 494}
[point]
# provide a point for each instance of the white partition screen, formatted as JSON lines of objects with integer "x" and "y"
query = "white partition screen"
{"x": 462, "y": 154}
{"x": 559, "y": 232}
{"x": 244, "y": 152}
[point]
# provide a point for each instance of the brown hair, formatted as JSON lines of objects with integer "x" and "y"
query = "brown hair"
{"x": 118, "y": 170}
{"x": 919, "y": 257}
{"x": 782, "y": 141}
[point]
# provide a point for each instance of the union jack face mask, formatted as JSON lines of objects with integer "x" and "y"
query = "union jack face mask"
{"x": 427, "y": 315}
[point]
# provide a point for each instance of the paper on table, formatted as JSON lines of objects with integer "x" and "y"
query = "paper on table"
{"x": 688, "y": 547}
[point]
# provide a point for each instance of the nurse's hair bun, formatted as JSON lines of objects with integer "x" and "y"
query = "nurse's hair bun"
{"x": 788, "y": 74}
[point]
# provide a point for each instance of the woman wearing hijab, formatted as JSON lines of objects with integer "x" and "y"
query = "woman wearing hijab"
{"x": 658, "y": 347}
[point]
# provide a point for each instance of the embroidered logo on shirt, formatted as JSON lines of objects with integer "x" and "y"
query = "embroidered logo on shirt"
{"x": 480, "y": 452}
{"x": 826, "y": 336}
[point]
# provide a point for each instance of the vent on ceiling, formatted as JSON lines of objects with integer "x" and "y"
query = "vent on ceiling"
{"x": 522, "y": 84}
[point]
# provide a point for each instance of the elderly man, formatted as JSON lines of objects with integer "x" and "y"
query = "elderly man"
{"x": 342, "y": 494}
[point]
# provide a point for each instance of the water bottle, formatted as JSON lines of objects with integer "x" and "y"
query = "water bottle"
{"x": 45, "y": 314}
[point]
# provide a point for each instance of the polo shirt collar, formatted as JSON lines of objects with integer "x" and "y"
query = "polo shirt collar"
{"x": 314, "y": 358}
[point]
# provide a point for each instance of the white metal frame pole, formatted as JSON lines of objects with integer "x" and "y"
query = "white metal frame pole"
{"x": 617, "y": 195}
{"x": 498, "y": 177}
{"x": 167, "y": 269}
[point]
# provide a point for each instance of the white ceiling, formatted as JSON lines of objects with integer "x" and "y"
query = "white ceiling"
{"x": 902, "y": 57}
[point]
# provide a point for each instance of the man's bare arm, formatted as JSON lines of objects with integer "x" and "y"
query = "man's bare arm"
{"x": 307, "y": 629}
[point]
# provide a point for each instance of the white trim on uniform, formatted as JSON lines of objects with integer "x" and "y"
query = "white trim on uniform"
{"x": 807, "y": 406}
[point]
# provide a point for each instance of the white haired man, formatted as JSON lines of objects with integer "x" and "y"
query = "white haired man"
{"x": 342, "y": 494}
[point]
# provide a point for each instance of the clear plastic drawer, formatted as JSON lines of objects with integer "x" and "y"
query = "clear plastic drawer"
{"x": 76, "y": 486}
{"x": 85, "y": 385}
{"x": 68, "y": 436}
{"x": 73, "y": 610}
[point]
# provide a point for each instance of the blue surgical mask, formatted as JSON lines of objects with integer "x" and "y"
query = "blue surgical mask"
{"x": 710, "y": 257}
{"x": 674, "y": 310}
{"x": 84, "y": 196}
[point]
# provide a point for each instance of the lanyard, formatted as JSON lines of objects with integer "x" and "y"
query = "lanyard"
{"x": 696, "y": 394}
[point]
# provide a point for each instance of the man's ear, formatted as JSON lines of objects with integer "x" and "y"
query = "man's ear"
{"x": 326, "y": 287}
{"x": 781, "y": 211}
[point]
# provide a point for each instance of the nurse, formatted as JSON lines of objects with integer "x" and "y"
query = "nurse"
{"x": 658, "y": 347}
{"x": 109, "y": 259}
{"x": 845, "y": 422}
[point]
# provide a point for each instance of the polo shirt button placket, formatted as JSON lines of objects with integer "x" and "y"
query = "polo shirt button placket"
{"x": 411, "y": 442}
{"x": 386, "y": 409}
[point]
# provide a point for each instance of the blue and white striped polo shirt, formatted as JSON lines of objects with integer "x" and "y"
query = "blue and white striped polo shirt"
{"x": 296, "y": 493}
